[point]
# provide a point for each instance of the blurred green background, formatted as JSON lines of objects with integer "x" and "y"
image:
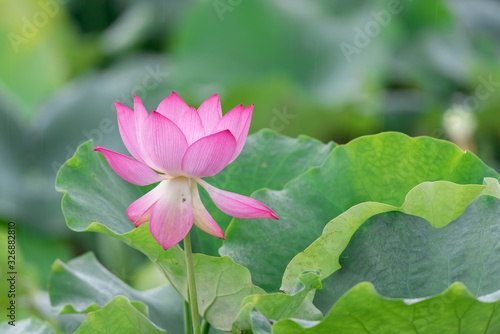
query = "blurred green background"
{"x": 333, "y": 70}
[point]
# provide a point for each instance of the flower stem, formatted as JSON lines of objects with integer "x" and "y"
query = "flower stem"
{"x": 187, "y": 319}
{"x": 193, "y": 298}
{"x": 205, "y": 327}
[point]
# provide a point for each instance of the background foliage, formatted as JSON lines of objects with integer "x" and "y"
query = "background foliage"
{"x": 66, "y": 61}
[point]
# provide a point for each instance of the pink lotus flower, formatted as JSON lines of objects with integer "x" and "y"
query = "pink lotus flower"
{"x": 176, "y": 146}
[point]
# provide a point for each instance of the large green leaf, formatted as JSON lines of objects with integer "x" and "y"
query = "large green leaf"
{"x": 94, "y": 192}
{"x": 362, "y": 310}
{"x": 278, "y": 306}
{"x": 83, "y": 285}
{"x": 381, "y": 168}
{"x": 119, "y": 316}
{"x": 438, "y": 202}
{"x": 373, "y": 253}
{"x": 405, "y": 257}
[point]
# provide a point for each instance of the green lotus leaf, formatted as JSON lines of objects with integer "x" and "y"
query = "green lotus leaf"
{"x": 381, "y": 168}
{"x": 119, "y": 316}
{"x": 404, "y": 256}
{"x": 363, "y": 310}
{"x": 83, "y": 285}
{"x": 438, "y": 202}
{"x": 279, "y": 305}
